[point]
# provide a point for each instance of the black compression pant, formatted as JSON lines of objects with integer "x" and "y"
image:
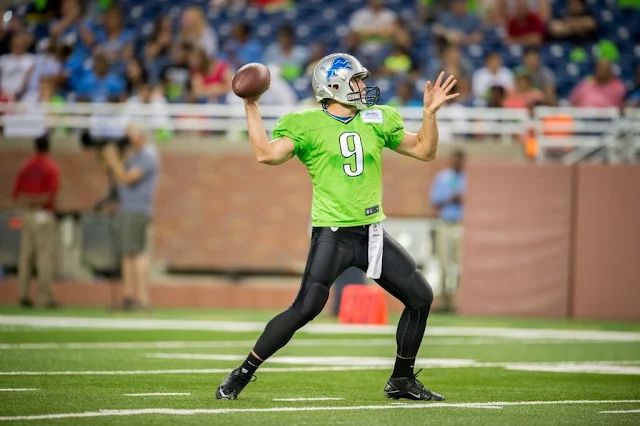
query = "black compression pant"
{"x": 333, "y": 252}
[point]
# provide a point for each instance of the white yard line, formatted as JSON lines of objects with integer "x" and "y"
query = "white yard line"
{"x": 595, "y": 367}
{"x": 18, "y": 390}
{"x": 233, "y": 326}
{"x": 321, "y": 360}
{"x": 307, "y": 399}
{"x": 186, "y": 412}
{"x": 158, "y": 394}
{"x": 620, "y": 412}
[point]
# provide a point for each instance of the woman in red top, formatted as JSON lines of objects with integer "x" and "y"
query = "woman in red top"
{"x": 210, "y": 78}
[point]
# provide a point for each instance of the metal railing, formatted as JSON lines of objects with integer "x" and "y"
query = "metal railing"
{"x": 570, "y": 134}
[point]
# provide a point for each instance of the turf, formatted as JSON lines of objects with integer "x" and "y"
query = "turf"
{"x": 494, "y": 383}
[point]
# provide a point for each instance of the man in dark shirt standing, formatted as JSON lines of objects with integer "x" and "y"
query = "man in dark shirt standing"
{"x": 35, "y": 190}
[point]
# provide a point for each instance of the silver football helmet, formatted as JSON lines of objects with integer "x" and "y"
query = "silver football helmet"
{"x": 334, "y": 78}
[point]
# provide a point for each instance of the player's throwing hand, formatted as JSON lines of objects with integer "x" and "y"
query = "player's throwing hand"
{"x": 436, "y": 95}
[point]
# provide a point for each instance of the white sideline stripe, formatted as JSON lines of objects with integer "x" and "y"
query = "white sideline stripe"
{"x": 242, "y": 343}
{"x": 18, "y": 390}
{"x": 158, "y": 394}
{"x": 185, "y": 412}
{"x": 442, "y": 341}
{"x": 307, "y": 399}
{"x": 620, "y": 412}
{"x": 595, "y": 367}
{"x": 234, "y": 326}
{"x": 576, "y": 368}
{"x": 184, "y": 371}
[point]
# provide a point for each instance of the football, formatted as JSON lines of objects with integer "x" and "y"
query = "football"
{"x": 251, "y": 81}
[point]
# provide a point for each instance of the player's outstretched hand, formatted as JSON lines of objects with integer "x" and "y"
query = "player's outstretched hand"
{"x": 437, "y": 94}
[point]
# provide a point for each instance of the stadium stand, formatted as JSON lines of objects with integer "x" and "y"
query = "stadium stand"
{"x": 155, "y": 49}
{"x": 328, "y": 23}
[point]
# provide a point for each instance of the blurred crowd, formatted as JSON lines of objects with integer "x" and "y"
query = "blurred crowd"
{"x": 75, "y": 50}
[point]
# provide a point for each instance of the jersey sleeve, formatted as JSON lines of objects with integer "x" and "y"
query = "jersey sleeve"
{"x": 290, "y": 126}
{"x": 393, "y": 127}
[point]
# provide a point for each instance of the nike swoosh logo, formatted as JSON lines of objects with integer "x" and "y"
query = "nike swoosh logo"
{"x": 414, "y": 395}
{"x": 222, "y": 394}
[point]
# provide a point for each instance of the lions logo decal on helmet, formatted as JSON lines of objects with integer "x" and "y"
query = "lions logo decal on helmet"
{"x": 338, "y": 64}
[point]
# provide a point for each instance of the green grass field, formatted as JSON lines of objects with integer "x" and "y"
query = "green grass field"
{"x": 93, "y": 367}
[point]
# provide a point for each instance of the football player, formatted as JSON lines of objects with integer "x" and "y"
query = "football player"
{"x": 341, "y": 146}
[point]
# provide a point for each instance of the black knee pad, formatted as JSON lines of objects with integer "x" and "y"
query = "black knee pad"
{"x": 312, "y": 303}
{"x": 422, "y": 297}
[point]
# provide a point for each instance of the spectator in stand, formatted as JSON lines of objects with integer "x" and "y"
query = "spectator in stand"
{"x": 317, "y": 51}
{"x": 46, "y": 91}
{"x": 492, "y": 74}
{"x": 541, "y": 77}
{"x": 35, "y": 191}
{"x": 176, "y": 76}
{"x": 195, "y": 30}
{"x": 399, "y": 62}
{"x": 157, "y": 51}
{"x": 100, "y": 84}
{"x": 210, "y": 78}
{"x": 524, "y": 94}
{"x": 458, "y": 26}
{"x": 497, "y": 95}
{"x": 508, "y": 8}
{"x": 15, "y": 67}
{"x": 272, "y": 5}
{"x": 450, "y": 61}
{"x": 402, "y": 34}
{"x": 633, "y": 99}
{"x": 74, "y": 69}
{"x": 577, "y": 26}
{"x": 152, "y": 97}
{"x": 118, "y": 43}
{"x": 8, "y": 30}
{"x": 372, "y": 28}
{"x": 241, "y": 48}
{"x": 428, "y": 10}
{"x": 525, "y": 27}
{"x": 286, "y": 54}
{"x": 405, "y": 95}
{"x": 47, "y": 63}
{"x": 135, "y": 76}
{"x": 601, "y": 90}
{"x": 465, "y": 98}
{"x": 74, "y": 30}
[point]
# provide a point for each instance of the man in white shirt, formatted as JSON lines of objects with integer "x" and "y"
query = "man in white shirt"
{"x": 492, "y": 74}
{"x": 374, "y": 26}
{"x": 15, "y": 66}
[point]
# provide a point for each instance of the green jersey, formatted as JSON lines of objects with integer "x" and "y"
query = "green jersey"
{"x": 344, "y": 161}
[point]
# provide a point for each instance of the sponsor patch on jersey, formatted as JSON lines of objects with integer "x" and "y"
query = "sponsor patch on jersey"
{"x": 371, "y": 116}
{"x": 371, "y": 210}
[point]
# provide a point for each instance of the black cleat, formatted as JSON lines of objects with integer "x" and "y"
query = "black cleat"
{"x": 233, "y": 384}
{"x": 409, "y": 388}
